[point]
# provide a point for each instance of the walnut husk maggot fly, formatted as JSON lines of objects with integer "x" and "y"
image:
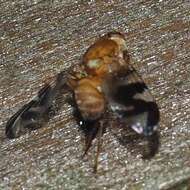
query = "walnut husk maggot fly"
{"x": 104, "y": 85}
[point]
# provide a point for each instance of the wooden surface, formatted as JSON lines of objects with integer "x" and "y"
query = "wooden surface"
{"x": 40, "y": 38}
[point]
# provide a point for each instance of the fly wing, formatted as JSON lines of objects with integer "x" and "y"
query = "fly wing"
{"x": 32, "y": 114}
{"x": 130, "y": 100}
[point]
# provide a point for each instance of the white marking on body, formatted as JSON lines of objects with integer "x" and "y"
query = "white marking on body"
{"x": 94, "y": 63}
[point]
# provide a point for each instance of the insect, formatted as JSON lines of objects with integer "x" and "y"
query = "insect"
{"x": 105, "y": 85}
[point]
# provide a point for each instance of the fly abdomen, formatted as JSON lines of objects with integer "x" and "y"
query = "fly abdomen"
{"x": 89, "y": 100}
